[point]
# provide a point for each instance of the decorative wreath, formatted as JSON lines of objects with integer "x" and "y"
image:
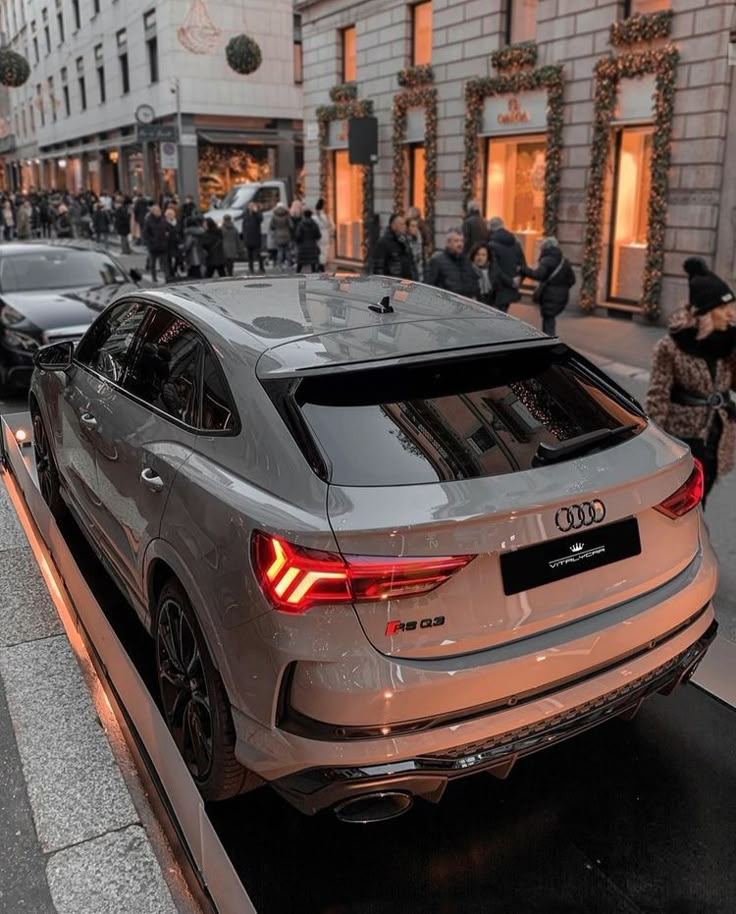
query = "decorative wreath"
{"x": 662, "y": 62}
{"x": 343, "y": 92}
{"x": 640, "y": 28}
{"x": 420, "y": 75}
{"x": 515, "y": 56}
{"x": 14, "y": 68}
{"x": 422, "y": 96}
{"x": 476, "y": 92}
{"x": 243, "y": 54}
{"x": 341, "y": 111}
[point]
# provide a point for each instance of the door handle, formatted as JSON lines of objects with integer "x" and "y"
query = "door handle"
{"x": 151, "y": 480}
{"x": 88, "y": 420}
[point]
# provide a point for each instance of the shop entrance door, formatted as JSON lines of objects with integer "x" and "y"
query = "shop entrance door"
{"x": 347, "y": 205}
{"x": 629, "y": 214}
{"x": 515, "y": 168}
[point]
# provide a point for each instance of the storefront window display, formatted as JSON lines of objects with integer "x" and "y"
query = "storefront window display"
{"x": 220, "y": 167}
{"x": 347, "y": 205}
{"x": 631, "y": 190}
{"x": 514, "y": 188}
{"x": 645, "y": 7}
{"x": 416, "y": 172}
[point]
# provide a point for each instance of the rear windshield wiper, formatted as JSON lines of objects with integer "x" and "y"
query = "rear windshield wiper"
{"x": 553, "y": 453}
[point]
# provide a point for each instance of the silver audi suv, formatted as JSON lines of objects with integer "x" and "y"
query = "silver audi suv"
{"x": 382, "y": 536}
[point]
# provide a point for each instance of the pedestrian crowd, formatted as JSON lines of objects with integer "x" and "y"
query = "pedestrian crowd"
{"x": 481, "y": 259}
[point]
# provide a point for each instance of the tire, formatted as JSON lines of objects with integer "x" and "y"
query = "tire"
{"x": 194, "y": 701}
{"x": 48, "y": 474}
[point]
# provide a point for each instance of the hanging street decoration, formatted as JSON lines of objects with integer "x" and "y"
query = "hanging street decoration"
{"x": 515, "y": 56}
{"x": 14, "y": 68}
{"x": 637, "y": 29}
{"x": 243, "y": 54}
{"x": 662, "y": 62}
{"x": 478, "y": 90}
{"x": 343, "y": 111}
{"x": 419, "y": 94}
{"x": 198, "y": 34}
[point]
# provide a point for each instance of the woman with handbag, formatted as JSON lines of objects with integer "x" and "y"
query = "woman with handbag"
{"x": 694, "y": 372}
{"x": 556, "y": 277}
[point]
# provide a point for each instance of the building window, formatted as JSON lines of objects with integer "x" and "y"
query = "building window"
{"x": 122, "y": 43}
{"x": 25, "y": 126}
{"x": 631, "y": 190}
{"x": 95, "y": 7}
{"x": 35, "y": 50}
{"x": 521, "y": 21}
{"x": 67, "y": 105}
{"x": 421, "y": 34}
{"x": 52, "y": 98}
{"x": 149, "y": 28}
{"x": 82, "y": 84}
{"x": 514, "y": 187}
{"x": 32, "y": 118}
{"x": 100, "y": 64}
{"x": 347, "y": 52}
{"x": 40, "y": 105}
{"x": 46, "y": 30}
{"x": 298, "y": 61}
{"x": 75, "y": 11}
{"x": 60, "y": 23}
{"x": 415, "y": 153}
{"x": 643, "y": 7}
{"x": 347, "y": 205}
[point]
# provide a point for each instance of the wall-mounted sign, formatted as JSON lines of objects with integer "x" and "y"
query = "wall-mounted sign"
{"x": 635, "y": 100}
{"x": 337, "y": 135}
{"x": 155, "y": 133}
{"x": 311, "y": 132}
{"x": 415, "y": 125}
{"x": 167, "y": 155}
{"x": 525, "y": 112}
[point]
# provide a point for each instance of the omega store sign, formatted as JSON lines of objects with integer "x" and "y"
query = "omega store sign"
{"x": 513, "y": 132}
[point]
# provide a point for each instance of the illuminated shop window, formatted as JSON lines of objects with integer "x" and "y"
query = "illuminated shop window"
{"x": 416, "y": 176}
{"x": 421, "y": 33}
{"x": 347, "y": 42}
{"x": 521, "y": 18}
{"x": 347, "y": 205}
{"x": 515, "y": 168}
{"x": 631, "y": 191}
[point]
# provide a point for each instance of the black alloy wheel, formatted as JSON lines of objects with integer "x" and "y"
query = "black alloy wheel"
{"x": 48, "y": 476}
{"x": 194, "y": 701}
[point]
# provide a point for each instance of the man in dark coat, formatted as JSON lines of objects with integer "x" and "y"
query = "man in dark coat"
{"x": 392, "y": 255}
{"x": 508, "y": 255}
{"x": 451, "y": 269}
{"x": 475, "y": 229}
{"x": 555, "y": 277}
{"x": 307, "y": 239}
{"x": 122, "y": 224}
{"x": 156, "y": 231}
{"x": 252, "y": 223}
{"x": 214, "y": 248}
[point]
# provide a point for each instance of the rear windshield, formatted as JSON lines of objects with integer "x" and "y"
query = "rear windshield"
{"x": 455, "y": 419}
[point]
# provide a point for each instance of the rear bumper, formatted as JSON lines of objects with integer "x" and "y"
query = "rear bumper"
{"x": 428, "y": 775}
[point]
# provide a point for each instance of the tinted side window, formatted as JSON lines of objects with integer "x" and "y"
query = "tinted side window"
{"x": 267, "y": 197}
{"x": 165, "y": 368}
{"x": 106, "y": 345}
{"x": 218, "y": 413}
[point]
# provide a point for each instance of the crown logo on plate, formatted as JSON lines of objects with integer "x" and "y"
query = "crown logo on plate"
{"x": 577, "y": 547}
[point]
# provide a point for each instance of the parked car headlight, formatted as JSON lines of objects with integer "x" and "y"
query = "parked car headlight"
{"x": 20, "y": 341}
{"x": 10, "y": 316}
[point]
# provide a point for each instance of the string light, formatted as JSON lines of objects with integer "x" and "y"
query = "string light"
{"x": 641, "y": 28}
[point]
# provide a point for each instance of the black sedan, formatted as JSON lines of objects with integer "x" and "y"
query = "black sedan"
{"x": 51, "y": 291}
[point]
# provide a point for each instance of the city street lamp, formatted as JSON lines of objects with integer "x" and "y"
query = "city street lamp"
{"x": 175, "y": 88}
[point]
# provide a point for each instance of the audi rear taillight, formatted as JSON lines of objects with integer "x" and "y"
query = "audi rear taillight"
{"x": 295, "y": 578}
{"x": 687, "y": 497}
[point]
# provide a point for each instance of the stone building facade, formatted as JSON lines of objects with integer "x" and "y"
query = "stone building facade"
{"x": 95, "y": 62}
{"x": 607, "y": 123}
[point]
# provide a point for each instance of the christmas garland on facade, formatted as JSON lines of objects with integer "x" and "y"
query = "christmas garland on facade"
{"x": 476, "y": 92}
{"x": 662, "y": 62}
{"x": 421, "y": 97}
{"x": 515, "y": 56}
{"x": 344, "y": 92}
{"x": 638, "y": 29}
{"x": 419, "y": 75}
{"x": 341, "y": 111}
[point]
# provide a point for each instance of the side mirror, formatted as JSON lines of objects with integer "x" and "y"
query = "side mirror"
{"x": 55, "y": 357}
{"x": 135, "y": 275}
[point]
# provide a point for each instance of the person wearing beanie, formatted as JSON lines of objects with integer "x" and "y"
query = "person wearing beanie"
{"x": 694, "y": 372}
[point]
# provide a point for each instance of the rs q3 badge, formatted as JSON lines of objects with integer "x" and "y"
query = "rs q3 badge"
{"x": 396, "y": 627}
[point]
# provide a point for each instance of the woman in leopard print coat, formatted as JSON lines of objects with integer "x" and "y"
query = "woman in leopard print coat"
{"x": 697, "y": 361}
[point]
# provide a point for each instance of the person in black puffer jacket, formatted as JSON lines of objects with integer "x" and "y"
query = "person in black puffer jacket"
{"x": 392, "y": 255}
{"x": 475, "y": 228}
{"x": 307, "y": 239}
{"x": 509, "y": 256}
{"x": 214, "y": 249}
{"x": 555, "y": 277}
{"x": 451, "y": 269}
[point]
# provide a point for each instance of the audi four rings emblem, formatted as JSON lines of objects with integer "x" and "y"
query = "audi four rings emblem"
{"x": 578, "y": 516}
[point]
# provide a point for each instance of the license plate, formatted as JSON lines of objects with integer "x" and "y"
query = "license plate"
{"x": 562, "y": 558}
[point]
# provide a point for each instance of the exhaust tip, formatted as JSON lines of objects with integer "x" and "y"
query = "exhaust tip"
{"x": 374, "y": 807}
